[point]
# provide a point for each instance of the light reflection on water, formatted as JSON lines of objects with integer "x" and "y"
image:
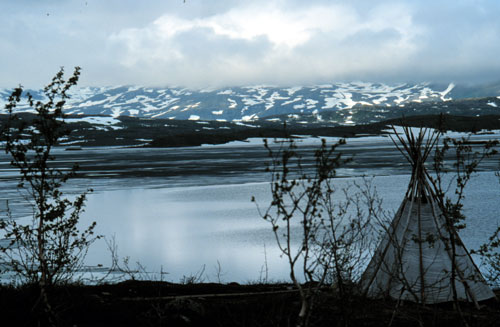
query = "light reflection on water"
{"x": 185, "y": 228}
{"x": 179, "y": 209}
{"x": 182, "y": 229}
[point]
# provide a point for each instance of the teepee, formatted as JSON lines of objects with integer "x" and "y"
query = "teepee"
{"x": 415, "y": 258}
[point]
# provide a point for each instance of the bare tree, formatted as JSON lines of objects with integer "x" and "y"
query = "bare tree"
{"x": 466, "y": 159}
{"x": 490, "y": 250}
{"x": 50, "y": 248}
{"x": 319, "y": 233}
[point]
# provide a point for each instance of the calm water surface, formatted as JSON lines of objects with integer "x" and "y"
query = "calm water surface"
{"x": 185, "y": 210}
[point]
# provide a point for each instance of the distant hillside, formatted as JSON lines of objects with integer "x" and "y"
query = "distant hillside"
{"x": 474, "y": 107}
{"x": 131, "y": 131}
{"x": 343, "y": 103}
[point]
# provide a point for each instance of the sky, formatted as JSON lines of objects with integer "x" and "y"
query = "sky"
{"x": 219, "y": 43}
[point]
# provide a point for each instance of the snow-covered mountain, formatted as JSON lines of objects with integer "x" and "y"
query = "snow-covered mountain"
{"x": 249, "y": 103}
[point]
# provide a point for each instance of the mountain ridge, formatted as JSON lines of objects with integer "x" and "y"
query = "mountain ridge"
{"x": 252, "y": 103}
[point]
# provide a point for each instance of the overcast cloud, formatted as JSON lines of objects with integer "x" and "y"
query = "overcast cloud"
{"x": 204, "y": 43}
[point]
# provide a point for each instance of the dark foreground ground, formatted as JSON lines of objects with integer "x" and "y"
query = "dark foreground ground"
{"x": 142, "y": 303}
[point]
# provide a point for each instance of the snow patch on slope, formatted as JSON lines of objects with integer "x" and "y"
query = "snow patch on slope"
{"x": 450, "y": 87}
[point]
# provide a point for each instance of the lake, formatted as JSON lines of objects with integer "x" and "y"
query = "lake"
{"x": 187, "y": 211}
